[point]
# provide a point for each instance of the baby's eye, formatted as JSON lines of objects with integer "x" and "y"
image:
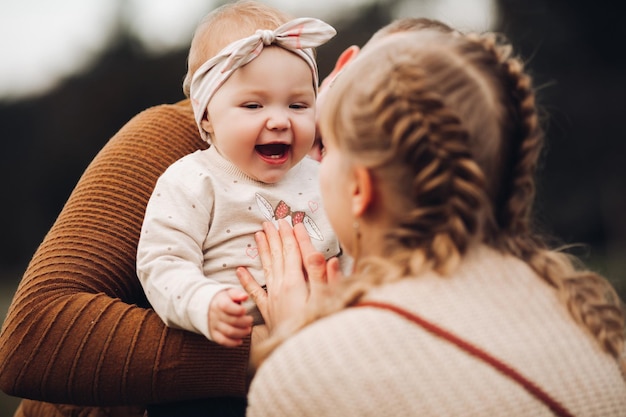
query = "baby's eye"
{"x": 298, "y": 106}
{"x": 251, "y": 105}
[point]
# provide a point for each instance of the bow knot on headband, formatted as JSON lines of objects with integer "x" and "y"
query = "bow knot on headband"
{"x": 297, "y": 36}
{"x": 267, "y": 36}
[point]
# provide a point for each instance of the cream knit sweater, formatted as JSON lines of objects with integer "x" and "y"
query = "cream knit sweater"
{"x": 199, "y": 227}
{"x": 372, "y": 362}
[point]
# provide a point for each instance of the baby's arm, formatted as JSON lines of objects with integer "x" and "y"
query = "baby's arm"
{"x": 170, "y": 253}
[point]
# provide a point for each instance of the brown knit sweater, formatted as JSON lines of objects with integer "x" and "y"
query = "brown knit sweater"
{"x": 79, "y": 330}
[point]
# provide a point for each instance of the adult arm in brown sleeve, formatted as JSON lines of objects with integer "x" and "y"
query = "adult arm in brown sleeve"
{"x": 79, "y": 329}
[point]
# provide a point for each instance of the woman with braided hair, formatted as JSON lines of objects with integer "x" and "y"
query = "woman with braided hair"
{"x": 455, "y": 305}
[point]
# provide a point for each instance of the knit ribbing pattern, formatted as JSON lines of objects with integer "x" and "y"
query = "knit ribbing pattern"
{"x": 78, "y": 330}
{"x": 370, "y": 362}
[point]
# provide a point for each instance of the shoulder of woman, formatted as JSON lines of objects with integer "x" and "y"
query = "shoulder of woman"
{"x": 316, "y": 369}
{"x": 171, "y": 119}
{"x": 334, "y": 335}
{"x": 155, "y": 137}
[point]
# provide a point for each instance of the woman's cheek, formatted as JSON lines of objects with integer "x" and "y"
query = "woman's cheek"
{"x": 334, "y": 196}
{"x": 325, "y": 188}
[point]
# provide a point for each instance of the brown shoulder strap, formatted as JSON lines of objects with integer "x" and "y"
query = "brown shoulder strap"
{"x": 475, "y": 351}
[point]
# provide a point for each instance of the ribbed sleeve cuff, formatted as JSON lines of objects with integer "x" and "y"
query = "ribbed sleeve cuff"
{"x": 205, "y": 369}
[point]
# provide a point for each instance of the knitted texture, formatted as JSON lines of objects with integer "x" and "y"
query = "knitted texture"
{"x": 371, "y": 362}
{"x": 79, "y": 329}
{"x": 199, "y": 228}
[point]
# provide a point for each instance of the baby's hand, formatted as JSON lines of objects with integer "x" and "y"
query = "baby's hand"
{"x": 228, "y": 322}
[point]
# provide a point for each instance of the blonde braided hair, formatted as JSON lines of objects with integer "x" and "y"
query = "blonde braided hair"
{"x": 590, "y": 299}
{"x": 448, "y": 123}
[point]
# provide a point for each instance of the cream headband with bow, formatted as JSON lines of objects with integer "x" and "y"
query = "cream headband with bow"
{"x": 297, "y": 36}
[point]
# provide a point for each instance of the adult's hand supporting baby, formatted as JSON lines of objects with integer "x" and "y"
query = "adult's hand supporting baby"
{"x": 295, "y": 273}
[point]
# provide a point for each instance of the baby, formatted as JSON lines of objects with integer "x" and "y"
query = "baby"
{"x": 254, "y": 101}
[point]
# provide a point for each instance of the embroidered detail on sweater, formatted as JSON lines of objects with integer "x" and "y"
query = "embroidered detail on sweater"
{"x": 283, "y": 211}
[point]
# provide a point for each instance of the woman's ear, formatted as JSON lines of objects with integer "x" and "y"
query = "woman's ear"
{"x": 362, "y": 191}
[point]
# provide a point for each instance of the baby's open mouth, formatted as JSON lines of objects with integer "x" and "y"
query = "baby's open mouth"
{"x": 273, "y": 150}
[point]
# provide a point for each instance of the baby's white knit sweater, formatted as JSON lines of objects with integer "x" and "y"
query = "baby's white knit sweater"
{"x": 199, "y": 227}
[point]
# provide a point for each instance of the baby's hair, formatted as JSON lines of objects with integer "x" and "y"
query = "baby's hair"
{"x": 226, "y": 24}
{"x": 448, "y": 125}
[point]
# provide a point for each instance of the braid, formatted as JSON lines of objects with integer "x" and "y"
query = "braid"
{"x": 455, "y": 139}
{"x": 408, "y": 137}
{"x": 590, "y": 299}
{"x": 520, "y": 150}
{"x": 443, "y": 183}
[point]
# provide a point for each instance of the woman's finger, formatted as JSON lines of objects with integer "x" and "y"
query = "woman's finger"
{"x": 314, "y": 261}
{"x": 315, "y": 266}
{"x": 333, "y": 271}
{"x": 304, "y": 241}
{"x": 275, "y": 253}
{"x": 293, "y": 288}
{"x": 264, "y": 254}
{"x": 257, "y": 293}
{"x": 292, "y": 259}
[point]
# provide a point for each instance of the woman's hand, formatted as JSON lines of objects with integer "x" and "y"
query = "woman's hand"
{"x": 295, "y": 273}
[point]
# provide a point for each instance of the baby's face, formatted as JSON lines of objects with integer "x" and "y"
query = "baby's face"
{"x": 262, "y": 118}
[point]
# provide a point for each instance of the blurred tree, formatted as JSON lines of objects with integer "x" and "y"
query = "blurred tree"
{"x": 575, "y": 51}
{"x": 48, "y": 141}
{"x": 572, "y": 48}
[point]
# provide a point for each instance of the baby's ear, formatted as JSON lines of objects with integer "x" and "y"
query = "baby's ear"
{"x": 206, "y": 125}
{"x": 346, "y": 56}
